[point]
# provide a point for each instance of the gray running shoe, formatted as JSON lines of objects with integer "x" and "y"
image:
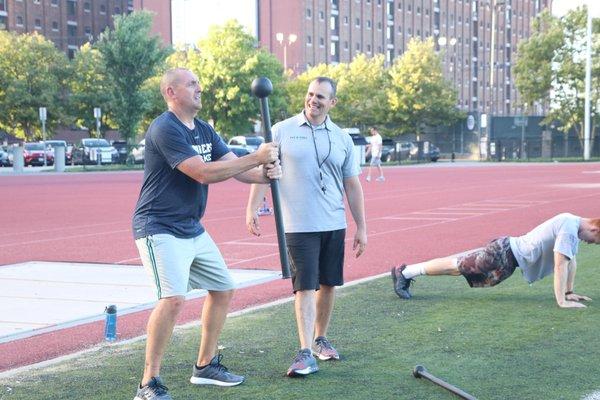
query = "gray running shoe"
{"x": 215, "y": 373}
{"x": 154, "y": 390}
{"x": 304, "y": 364}
{"x": 323, "y": 349}
{"x": 401, "y": 284}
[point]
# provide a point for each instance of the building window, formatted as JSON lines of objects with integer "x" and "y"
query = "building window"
{"x": 117, "y": 10}
{"x": 36, "y": 1}
{"x": 418, "y": 32}
{"x": 37, "y": 24}
{"x": 379, "y": 26}
{"x": 3, "y": 23}
{"x": 400, "y": 5}
{"x": 346, "y": 20}
{"x": 400, "y": 30}
{"x": 321, "y": 15}
{"x": 71, "y": 8}
{"x": 427, "y": 11}
{"x": 368, "y": 48}
{"x": 308, "y": 13}
{"x": 357, "y": 22}
{"x": 418, "y": 10}
{"x": 409, "y": 31}
{"x": 346, "y": 45}
{"x": 309, "y": 40}
{"x": 368, "y": 24}
{"x": 321, "y": 42}
{"x": 71, "y": 53}
{"x": 72, "y": 30}
{"x": 19, "y": 20}
{"x": 102, "y": 9}
{"x": 379, "y": 3}
{"x": 55, "y": 26}
{"x": 408, "y": 7}
{"x": 86, "y": 6}
{"x": 54, "y": 3}
{"x": 357, "y": 46}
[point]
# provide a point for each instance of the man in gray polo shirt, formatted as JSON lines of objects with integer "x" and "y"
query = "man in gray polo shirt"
{"x": 318, "y": 166}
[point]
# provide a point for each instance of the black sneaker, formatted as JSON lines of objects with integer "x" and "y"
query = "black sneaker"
{"x": 215, "y": 373}
{"x": 401, "y": 284}
{"x": 154, "y": 390}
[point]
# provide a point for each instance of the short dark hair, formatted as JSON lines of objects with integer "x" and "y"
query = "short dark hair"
{"x": 321, "y": 79}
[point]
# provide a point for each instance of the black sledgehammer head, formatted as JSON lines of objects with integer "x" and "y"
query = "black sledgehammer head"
{"x": 418, "y": 370}
{"x": 262, "y": 87}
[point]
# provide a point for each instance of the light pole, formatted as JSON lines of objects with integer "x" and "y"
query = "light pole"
{"x": 97, "y": 115}
{"x": 494, "y": 5}
{"x": 43, "y": 115}
{"x": 292, "y": 37}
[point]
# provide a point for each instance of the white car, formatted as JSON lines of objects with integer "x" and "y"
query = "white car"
{"x": 249, "y": 142}
{"x": 138, "y": 152}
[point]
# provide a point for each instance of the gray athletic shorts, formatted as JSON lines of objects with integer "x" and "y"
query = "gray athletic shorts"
{"x": 179, "y": 265}
{"x": 376, "y": 161}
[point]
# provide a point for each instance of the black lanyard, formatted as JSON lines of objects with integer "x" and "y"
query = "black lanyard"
{"x": 320, "y": 164}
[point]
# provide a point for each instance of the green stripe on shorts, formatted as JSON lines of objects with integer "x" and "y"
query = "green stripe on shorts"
{"x": 154, "y": 269}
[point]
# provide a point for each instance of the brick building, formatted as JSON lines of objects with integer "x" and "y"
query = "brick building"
{"x": 471, "y": 35}
{"x": 71, "y": 23}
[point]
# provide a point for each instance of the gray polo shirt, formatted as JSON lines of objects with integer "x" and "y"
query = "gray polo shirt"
{"x": 535, "y": 250}
{"x": 306, "y": 154}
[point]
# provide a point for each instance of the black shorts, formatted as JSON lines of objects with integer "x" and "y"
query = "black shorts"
{"x": 490, "y": 265}
{"x": 316, "y": 258}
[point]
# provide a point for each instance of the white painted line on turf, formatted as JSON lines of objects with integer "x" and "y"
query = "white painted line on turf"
{"x": 41, "y": 297}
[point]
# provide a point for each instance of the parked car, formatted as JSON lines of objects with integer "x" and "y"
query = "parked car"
{"x": 54, "y": 142}
{"x": 94, "y": 151}
{"x": 250, "y": 142}
{"x": 34, "y": 153}
{"x": 406, "y": 150}
{"x": 238, "y": 150}
{"x": 4, "y": 160}
{"x": 388, "y": 151}
{"x": 138, "y": 152}
{"x": 430, "y": 151}
{"x": 358, "y": 139}
{"x": 121, "y": 147}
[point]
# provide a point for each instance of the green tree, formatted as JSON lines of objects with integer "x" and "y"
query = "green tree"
{"x": 226, "y": 63}
{"x": 362, "y": 100}
{"x": 90, "y": 87}
{"x": 418, "y": 94}
{"x": 533, "y": 67}
{"x": 32, "y": 74}
{"x": 132, "y": 54}
{"x": 550, "y": 69}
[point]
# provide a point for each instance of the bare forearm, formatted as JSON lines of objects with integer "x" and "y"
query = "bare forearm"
{"x": 257, "y": 193}
{"x": 356, "y": 202}
{"x": 255, "y": 175}
{"x": 218, "y": 171}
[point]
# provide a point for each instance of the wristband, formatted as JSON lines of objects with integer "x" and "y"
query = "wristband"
{"x": 568, "y": 293}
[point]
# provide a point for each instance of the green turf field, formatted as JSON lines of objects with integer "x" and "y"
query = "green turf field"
{"x": 507, "y": 342}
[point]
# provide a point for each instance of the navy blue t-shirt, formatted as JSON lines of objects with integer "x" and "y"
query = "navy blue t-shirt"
{"x": 170, "y": 201}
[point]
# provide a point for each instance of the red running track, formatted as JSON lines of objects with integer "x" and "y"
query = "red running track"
{"x": 418, "y": 213}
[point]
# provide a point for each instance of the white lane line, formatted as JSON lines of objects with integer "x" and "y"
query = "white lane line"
{"x": 241, "y": 242}
{"x": 408, "y": 218}
{"x": 447, "y": 213}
